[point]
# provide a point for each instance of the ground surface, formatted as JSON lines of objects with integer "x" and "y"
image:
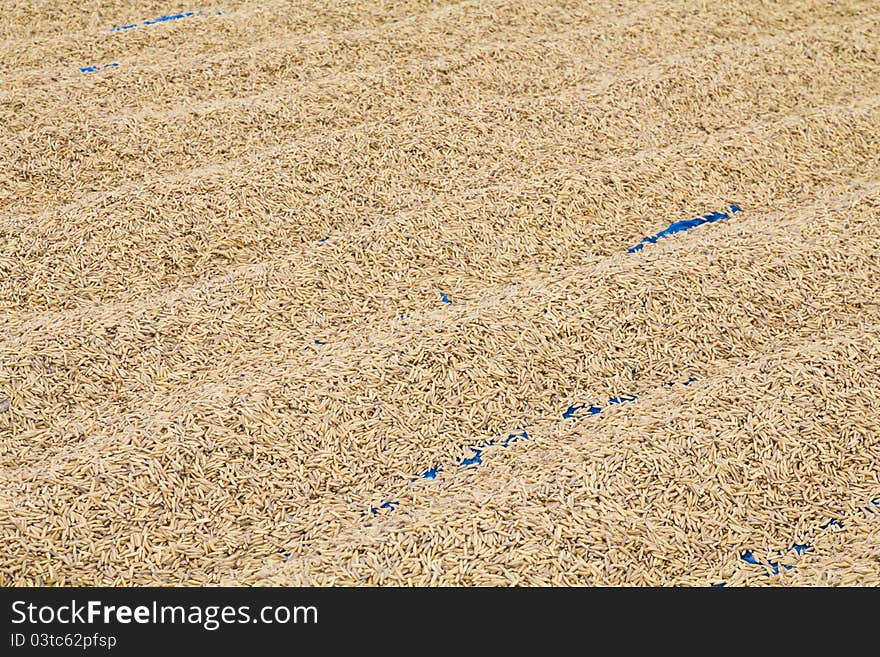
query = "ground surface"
{"x": 276, "y": 274}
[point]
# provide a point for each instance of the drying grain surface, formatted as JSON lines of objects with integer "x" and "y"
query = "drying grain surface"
{"x": 342, "y": 293}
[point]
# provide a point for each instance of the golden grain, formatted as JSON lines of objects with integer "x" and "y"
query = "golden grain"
{"x": 222, "y": 336}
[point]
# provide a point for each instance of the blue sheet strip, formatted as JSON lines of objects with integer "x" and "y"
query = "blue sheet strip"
{"x": 156, "y": 21}
{"x": 798, "y": 548}
{"x": 475, "y": 459}
{"x": 684, "y": 225}
{"x": 92, "y": 69}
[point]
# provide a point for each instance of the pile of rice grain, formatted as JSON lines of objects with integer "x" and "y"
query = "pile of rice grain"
{"x": 289, "y": 256}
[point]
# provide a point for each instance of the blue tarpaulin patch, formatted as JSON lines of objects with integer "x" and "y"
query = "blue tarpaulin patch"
{"x": 92, "y": 69}
{"x": 444, "y": 298}
{"x": 572, "y": 410}
{"x": 156, "y": 21}
{"x": 684, "y": 225}
{"x": 476, "y": 459}
{"x": 798, "y": 548}
{"x": 749, "y": 558}
{"x": 476, "y": 452}
{"x": 390, "y": 506}
{"x": 515, "y": 438}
